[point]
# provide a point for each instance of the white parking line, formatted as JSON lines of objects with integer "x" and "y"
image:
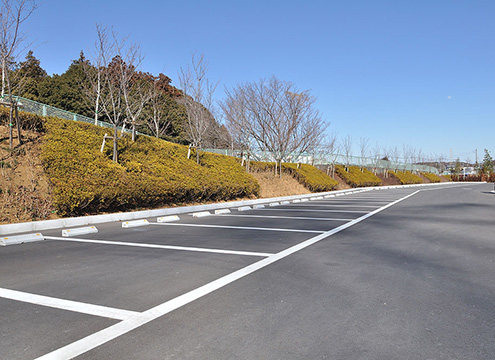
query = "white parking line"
{"x": 166, "y": 247}
{"x": 336, "y": 205}
{"x": 288, "y": 217}
{"x": 103, "y": 336}
{"x": 69, "y": 305}
{"x": 240, "y": 227}
{"x": 318, "y": 210}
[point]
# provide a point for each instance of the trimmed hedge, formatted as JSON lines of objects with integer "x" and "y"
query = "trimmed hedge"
{"x": 313, "y": 179}
{"x": 357, "y": 178}
{"x": 431, "y": 177}
{"x": 406, "y": 177}
{"x": 150, "y": 172}
{"x": 309, "y": 176}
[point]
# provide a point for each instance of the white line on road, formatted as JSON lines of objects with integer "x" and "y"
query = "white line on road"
{"x": 287, "y": 217}
{"x": 241, "y": 227}
{"x": 336, "y": 205}
{"x": 103, "y": 336}
{"x": 317, "y": 210}
{"x": 69, "y": 305}
{"x": 166, "y": 247}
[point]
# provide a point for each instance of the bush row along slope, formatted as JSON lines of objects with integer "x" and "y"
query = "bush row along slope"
{"x": 150, "y": 172}
{"x": 356, "y": 177}
{"x": 406, "y": 177}
{"x": 153, "y": 172}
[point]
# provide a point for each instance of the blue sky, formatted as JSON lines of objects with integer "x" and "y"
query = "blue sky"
{"x": 417, "y": 73}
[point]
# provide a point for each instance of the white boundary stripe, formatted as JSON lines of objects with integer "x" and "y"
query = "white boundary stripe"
{"x": 166, "y": 247}
{"x": 103, "y": 336}
{"x": 68, "y": 305}
{"x": 337, "y": 205}
{"x": 289, "y": 217}
{"x": 241, "y": 228}
{"x": 351, "y": 200}
{"x": 317, "y": 210}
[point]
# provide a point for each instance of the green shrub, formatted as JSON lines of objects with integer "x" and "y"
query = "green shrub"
{"x": 406, "y": 177}
{"x": 431, "y": 177}
{"x": 150, "y": 172}
{"x": 312, "y": 178}
{"x": 356, "y": 177}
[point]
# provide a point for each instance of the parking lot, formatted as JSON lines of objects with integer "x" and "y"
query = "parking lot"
{"x": 247, "y": 283}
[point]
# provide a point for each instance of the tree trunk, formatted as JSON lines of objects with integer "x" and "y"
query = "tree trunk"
{"x": 11, "y": 142}
{"x": 115, "y": 139}
{"x": 18, "y": 124}
{"x": 133, "y": 131}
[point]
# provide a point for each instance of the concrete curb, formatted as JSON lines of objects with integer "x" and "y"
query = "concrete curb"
{"x": 37, "y": 226}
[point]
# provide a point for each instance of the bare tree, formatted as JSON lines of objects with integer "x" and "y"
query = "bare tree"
{"x": 363, "y": 151}
{"x": 234, "y": 110}
{"x": 395, "y": 157}
{"x": 136, "y": 87}
{"x": 376, "y": 151}
{"x": 331, "y": 147}
{"x": 408, "y": 153}
{"x": 279, "y": 118}
{"x": 347, "y": 150}
{"x": 104, "y": 50}
{"x": 13, "y": 13}
{"x": 198, "y": 100}
{"x": 114, "y": 80}
{"x": 160, "y": 120}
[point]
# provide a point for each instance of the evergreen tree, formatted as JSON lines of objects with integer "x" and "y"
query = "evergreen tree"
{"x": 65, "y": 91}
{"x": 487, "y": 164}
{"x": 27, "y": 77}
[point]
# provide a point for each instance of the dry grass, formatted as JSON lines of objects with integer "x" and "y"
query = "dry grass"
{"x": 24, "y": 189}
{"x": 272, "y": 186}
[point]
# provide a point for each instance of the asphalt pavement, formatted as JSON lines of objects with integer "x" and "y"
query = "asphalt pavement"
{"x": 405, "y": 273}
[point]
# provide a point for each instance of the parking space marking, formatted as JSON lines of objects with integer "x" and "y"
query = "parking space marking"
{"x": 166, "y": 247}
{"x": 69, "y": 305}
{"x": 112, "y": 332}
{"x": 239, "y": 227}
{"x": 286, "y": 217}
{"x": 318, "y": 210}
{"x": 336, "y": 205}
{"x": 368, "y": 199}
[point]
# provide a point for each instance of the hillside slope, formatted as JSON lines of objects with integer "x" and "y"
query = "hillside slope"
{"x": 24, "y": 189}
{"x": 150, "y": 172}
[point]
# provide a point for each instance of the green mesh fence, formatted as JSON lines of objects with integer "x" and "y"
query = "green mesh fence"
{"x": 313, "y": 158}
{"x": 325, "y": 159}
{"x": 37, "y": 108}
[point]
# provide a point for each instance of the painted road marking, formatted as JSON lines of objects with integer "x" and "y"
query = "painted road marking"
{"x": 318, "y": 210}
{"x": 242, "y": 227}
{"x": 165, "y": 247}
{"x": 112, "y": 332}
{"x": 69, "y": 305}
{"x": 337, "y": 205}
{"x": 289, "y": 217}
{"x": 329, "y": 201}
